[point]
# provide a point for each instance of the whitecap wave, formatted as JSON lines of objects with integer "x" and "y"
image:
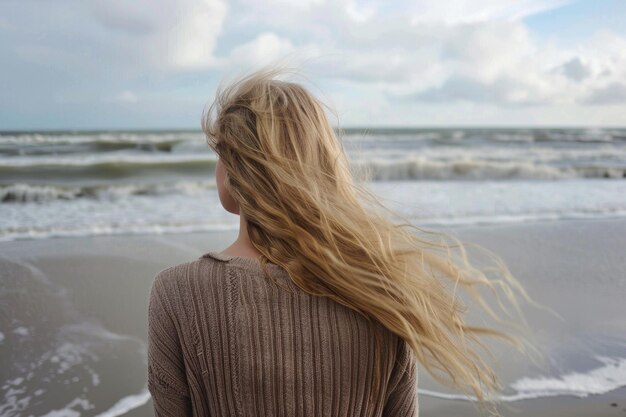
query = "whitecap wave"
{"x": 27, "y": 193}
{"x": 606, "y": 378}
{"x": 423, "y": 168}
{"x": 127, "y": 404}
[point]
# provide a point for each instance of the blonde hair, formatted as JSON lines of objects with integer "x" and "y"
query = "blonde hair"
{"x": 289, "y": 173}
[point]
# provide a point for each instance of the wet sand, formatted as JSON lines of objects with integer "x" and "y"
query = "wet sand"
{"x": 64, "y": 292}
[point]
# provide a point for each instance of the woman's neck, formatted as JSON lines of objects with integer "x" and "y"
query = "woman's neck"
{"x": 242, "y": 246}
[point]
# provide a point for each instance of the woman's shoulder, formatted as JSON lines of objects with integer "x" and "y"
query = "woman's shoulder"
{"x": 203, "y": 270}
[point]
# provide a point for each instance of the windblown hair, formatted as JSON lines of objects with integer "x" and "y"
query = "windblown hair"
{"x": 287, "y": 169}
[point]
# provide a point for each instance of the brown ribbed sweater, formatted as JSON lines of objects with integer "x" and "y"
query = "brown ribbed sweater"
{"x": 224, "y": 341}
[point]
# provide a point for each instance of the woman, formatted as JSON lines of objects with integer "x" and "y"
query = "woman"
{"x": 323, "y": 306}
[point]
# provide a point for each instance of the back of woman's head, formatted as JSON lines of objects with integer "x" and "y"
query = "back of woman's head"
{"x": 286, "y": 168}
{"x": 275, "y": 140}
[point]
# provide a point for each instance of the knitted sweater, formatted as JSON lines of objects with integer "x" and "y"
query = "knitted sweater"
{"x": 224, "y": 341}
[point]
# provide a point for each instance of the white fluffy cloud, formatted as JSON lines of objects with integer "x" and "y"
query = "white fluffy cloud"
{"x": 180, "y": 34}
{"x": 264, "y": 49}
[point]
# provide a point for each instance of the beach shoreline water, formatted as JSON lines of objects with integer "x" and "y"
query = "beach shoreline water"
{"x": 95, "y": 290}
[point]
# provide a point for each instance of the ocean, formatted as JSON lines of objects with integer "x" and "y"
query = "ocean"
{"x": 55, "y": 184}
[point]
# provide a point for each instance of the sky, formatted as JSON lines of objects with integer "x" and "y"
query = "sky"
{"x": 153, "y": 64}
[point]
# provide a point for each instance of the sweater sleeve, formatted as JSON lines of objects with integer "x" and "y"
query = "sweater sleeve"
{"x": 402, "y": 397}
{"x": 167, "y": 381}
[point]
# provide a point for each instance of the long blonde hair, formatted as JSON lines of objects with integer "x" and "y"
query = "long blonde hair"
{"x": 290, "y": 175}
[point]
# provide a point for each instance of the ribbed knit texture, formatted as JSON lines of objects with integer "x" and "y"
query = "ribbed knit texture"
{"x": 224, "y": 341}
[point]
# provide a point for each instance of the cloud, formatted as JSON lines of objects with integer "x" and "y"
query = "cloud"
{"x": 181, "y": 34}
{"x": 460, "y": 11}
{"x": 575, "y": 69}
{"x": 126, "y": 97}
{"x": 494, "y": 62}
{"x": 614, "y": 93}
{"x": 133, "y": 18}
{"x": 526, "y": 80}
{"x": 499, "y": 91}
{"x": 264, "y": 49}
{"x": 359, "y": 13}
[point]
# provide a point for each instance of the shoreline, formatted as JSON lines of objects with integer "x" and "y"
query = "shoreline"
{"x": 232, "y": 230}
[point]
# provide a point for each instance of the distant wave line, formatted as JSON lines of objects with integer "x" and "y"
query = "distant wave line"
{"x": 409, "y": 168}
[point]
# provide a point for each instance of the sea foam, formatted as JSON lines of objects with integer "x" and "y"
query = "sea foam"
{"x": 609, "y": 376}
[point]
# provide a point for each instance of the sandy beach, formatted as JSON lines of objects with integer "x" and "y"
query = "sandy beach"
{"x": 74, "y": 320}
